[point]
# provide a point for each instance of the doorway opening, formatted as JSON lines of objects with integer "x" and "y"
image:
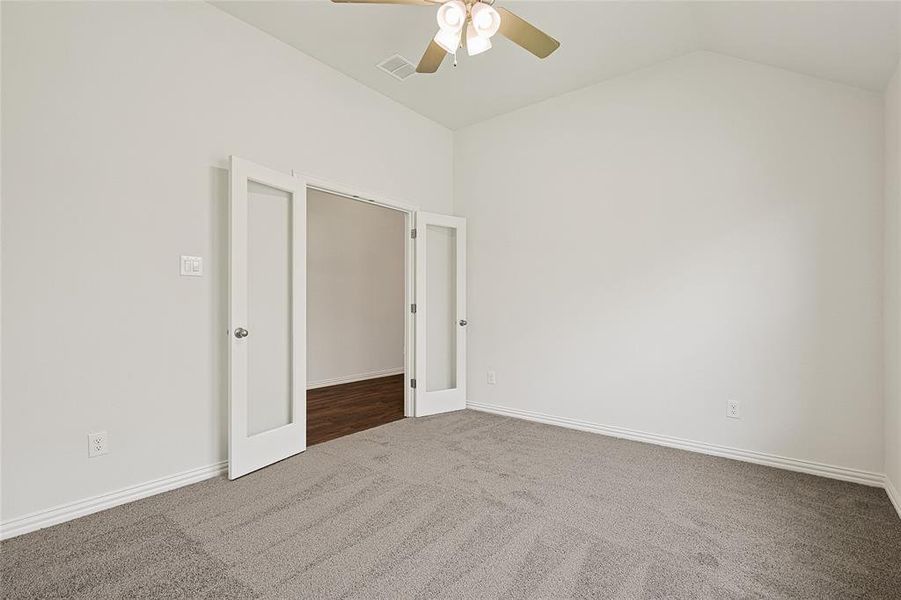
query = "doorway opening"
{"x": 356, "y": 315}
{"x": 267, "y": 332}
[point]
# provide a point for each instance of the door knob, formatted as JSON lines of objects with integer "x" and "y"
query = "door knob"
{"x": 240, "y": 332}
{"x": 462, "y": 322}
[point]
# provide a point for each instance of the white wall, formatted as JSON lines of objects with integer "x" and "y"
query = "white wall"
{"x": 639, "y": 251}
{"x": 645, "y": 249}
{"x": 892, "y": 307}
{"x": 355, "y": 289}
{"x": 118, "y": 119}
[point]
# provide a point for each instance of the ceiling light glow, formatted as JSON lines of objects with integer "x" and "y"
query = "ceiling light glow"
{"x": 452, "y": 16}
{"x": 485, "y": 19}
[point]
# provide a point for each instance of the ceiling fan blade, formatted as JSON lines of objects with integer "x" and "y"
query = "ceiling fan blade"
{"x": 431, "y": 58}
{"x": 521, "y": 32}
{"x": 417, "y": 2}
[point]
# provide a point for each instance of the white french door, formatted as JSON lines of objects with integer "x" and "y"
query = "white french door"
{"x": 267, "y": 317}
{"x": 440, "y": 313}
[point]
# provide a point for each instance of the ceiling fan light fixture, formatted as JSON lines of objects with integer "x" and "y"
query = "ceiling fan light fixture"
{"x": 449, "y": 40}
{"x": 452, "y": 16}
{"x": 482, "y": 21}
{"x": 475, "y": 43}
{"x": 485, "y": 19}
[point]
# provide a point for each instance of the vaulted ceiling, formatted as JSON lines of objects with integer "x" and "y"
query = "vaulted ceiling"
{"x": 854, "y": 43}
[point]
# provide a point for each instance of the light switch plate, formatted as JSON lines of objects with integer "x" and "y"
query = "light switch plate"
{"x": 191, "y": 266}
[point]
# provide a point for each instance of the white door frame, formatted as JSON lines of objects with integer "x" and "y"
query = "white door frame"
{"x": 409, "y": 270}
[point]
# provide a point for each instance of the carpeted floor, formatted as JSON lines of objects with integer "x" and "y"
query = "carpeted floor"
{"x": 471, "y": 505}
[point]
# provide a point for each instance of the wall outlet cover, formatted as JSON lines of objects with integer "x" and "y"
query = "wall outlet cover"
{"x": 492, "y": 377}
{"x": 97, "y": 444}
{"x": 733, "y": 409}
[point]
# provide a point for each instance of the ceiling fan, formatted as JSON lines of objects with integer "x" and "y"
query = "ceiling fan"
{"x": 481, "y": 20}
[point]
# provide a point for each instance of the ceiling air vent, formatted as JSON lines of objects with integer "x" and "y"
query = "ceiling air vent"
{"x": 397, "y": 66}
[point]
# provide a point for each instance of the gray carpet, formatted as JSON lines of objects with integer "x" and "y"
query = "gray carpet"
{"x": 471, "y": 505}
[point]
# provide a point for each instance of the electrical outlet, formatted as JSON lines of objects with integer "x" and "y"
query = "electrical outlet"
{"x": 733, "y": 409}
{"x": 97, "y": 444}
{"x": 492, "y": 378}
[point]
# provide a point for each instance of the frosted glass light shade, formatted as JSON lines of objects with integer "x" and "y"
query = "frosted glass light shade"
{"x": 449, "y": 40}
{"x": 452, "y": 16}
{"x": 475, "y": 43}
{"x": 485, "y": 19}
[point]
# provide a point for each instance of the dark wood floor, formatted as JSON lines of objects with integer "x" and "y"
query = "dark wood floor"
{"x": 344, "y": 409}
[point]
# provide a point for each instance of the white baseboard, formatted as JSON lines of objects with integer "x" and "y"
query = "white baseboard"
{"x": 73, "y": 510}
{"x": 80, "y": 508}
{"x": 893, "y": 495}
{"x": 312, "y": 385}
{"x": 760, "y": 458}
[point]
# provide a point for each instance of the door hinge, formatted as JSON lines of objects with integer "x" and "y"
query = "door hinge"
{"x": 413, "y": 308}
{"x": 413, "y": 383}
{"x": 413, "y": 233}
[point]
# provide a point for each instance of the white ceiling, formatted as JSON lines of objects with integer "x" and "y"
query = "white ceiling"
{"x": 855, "y": 43}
